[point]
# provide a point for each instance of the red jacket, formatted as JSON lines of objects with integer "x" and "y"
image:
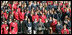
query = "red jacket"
{"x": 70, "y": 10}
{"x": 21, "y": 16}
{"x": 15, "y": 25}
{"x": 43, "y": 18}
{"x": 4, "y": 27}
{"x": 63, "y": 31}
{"x": 50, "y": 2}
{"x": 14, "y": 6}
{"x": 35, "y": 17}
{"x": 19, "y": 10}
{"x": 63, "y": 10}
{"x": 10, "y": 6}
{"x": 61, "y": 4}
{"x": 54, "y": 26}
{"x": 16, "y": 15}
{"x": 5, "y": 15}
{"x": 66, "y": 4}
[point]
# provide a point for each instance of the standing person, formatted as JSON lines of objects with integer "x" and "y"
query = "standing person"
{"x": 53, "y": 24}
{"x": 5, "y": 28}
{"x": 35, "y": 17}
{"x": 29, "y": 25}
{"x": 40, "y": 26}
{"x": 6, "y": 15}
{"x": 21, "y": 14}
{"x": 59, "y": 27}
{"x": 16, "y": 15}
{"x": 24, "y": 27}
{"x": 64, "y": 30}
{"x": 43, "y": 17}
{"x": 47, "y": 25}
{"x": 13, "y": 25}
{"x": 35, "y": 23}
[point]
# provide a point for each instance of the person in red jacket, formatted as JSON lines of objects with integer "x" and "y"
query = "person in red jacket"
{"x": 19, "y": 9}
{"x": 21, "y": 15}
{"x": 5, "y": 28}
{"x": 53, "y": 24}
{"x": 50, "y": 2}
{"x": 16, "y": 15}
{"x": 43, "y": 17}
{"x": 5, "y": 15}
{"x": 13, "y": 25}
{"x": 35, "y": 17}
{"x": 14, "y": 5}
{"x": 64, "y": 30}
{"x": 63, "y": 8}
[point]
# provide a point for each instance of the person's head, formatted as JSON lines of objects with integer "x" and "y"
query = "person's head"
{"x": 40, "y": 20}
{"x": 5, "y": 22}
{"x": 35, "y": 13}
{"x": 28, "y": 20}
{"x": 64, "y": 26}
{"x": 52, "y": 9}
{"x": 35, "y": 19}
{"x": 14, "y": 20}
{"x": 40, "y": 4}
{"x": 46, "y": 20}
{"x": 66, "y": 17}
{"x": 58, "y": 22}
{"x": 10, "y": 19}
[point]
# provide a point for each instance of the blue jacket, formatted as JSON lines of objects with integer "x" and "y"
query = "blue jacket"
{"x": 59, "y": 27}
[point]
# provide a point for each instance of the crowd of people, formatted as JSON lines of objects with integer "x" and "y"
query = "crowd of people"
{"x": 35, "y": 17}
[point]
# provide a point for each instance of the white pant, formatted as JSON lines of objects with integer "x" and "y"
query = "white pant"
{"x": 29, "y": 29}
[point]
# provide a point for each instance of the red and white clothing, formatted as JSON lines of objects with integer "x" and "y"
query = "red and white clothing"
{"x": 21, "y": 16}
{"x": 5, "y": 15}
{"x": 43, "y": 18}
{"x": 15, "y": 25}
{"x": 64, "y": 31}
{"x": 35, "y": 17}
{"x": 54, "y": 25}
{"x": 16, "y": 15}
{"x": 4, "y": 27}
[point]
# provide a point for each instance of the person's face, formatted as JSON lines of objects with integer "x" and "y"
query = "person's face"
{"x": 10, "y": 19}
{"x": 5, "y": 22}
{"x": 53, "y": 9}
{"x": 40, "y": 20}
{"x": 28, "y": 20}
{"x": 64, "y": 26}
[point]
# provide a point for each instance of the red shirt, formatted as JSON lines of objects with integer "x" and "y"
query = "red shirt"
{"x": 35, "y": 17}
{"x": 16, "y": 15}
{"x": 50, "y": 2}
{"x": 43, "y": 18}
{"x": 61, "y": 4}
{"x": 63, "y": 10}
{"x": 66, "y": 4}
{"x": 64, "y": 31}
{"x": 21, "y": 16}
{"x": 54, "y": 25}
{"x": 5, "y": 15}
{"x": 15, "y": 25}
{"x": 19, "y": 10}
{"x": 10, "y": 6}
{"x": 4, "y": 27}
{"x": 14, "y": 6}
